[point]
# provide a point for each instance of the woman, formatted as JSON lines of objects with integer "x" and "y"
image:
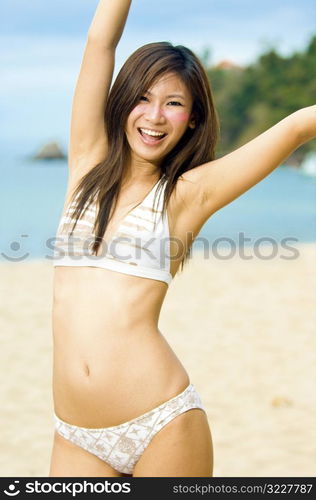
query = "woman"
{"x": 142, "y": 182}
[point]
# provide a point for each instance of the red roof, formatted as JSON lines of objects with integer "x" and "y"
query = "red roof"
{"x": 225, "y": 64}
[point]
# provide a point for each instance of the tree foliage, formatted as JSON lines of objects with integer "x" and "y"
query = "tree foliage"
{"x": 251, "y": 99}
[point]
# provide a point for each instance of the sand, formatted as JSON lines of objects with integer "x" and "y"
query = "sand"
{"x": 245, "y": 331}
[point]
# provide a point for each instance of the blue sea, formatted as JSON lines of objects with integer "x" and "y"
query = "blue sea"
{"x": 282, "y": 207}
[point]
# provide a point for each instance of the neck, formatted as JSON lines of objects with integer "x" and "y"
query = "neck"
{"x": 142, "y": 172}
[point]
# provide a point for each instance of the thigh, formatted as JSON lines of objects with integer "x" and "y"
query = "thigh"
{"x": 182, "y": 448}
{"x": 69, "y": 460}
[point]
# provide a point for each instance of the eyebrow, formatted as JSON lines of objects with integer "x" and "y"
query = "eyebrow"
{"x": 170, "y": 95}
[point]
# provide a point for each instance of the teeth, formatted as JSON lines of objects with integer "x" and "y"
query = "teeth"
{"x": 151, "y": 132}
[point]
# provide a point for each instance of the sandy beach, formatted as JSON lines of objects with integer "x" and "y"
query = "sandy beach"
{"x": 245, "y": 331}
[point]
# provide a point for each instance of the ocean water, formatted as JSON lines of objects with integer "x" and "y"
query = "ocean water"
{"x": 281, "y": 208}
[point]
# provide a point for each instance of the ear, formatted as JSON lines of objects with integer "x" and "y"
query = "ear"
{"x": 192, "y": 122}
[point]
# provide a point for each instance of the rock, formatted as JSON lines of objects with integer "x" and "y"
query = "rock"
{"x": 50, "y": 151}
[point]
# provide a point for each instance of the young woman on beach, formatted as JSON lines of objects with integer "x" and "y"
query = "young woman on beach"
{"x": 143, "y": 179}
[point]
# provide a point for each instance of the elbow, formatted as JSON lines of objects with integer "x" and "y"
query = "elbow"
{"x": 305, "y": 124}
{"x": 101, "y": 41}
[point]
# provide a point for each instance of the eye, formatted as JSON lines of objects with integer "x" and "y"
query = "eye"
{"x": 175, "y": 102}
{"x": 142, "y": 98}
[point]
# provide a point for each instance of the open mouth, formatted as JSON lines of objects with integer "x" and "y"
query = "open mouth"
{"x": 150, "y": 137}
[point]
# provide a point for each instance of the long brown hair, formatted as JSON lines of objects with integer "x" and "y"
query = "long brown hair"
{"x": 196, "y": 146}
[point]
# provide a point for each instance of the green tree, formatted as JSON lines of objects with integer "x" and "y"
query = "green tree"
{"x": 251, "y": 99}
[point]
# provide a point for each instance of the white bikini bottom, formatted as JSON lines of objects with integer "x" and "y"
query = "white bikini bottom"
{"x": 122, "y": 445}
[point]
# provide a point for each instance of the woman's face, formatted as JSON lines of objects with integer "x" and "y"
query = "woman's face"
{"x": 164, "y": 109}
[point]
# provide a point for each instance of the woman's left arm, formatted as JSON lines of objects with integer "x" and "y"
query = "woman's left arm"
{"x": 220, "y": 181}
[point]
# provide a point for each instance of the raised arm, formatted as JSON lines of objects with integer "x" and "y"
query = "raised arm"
{"x": 219, "y": 182}
{"x": 88, "y": 142}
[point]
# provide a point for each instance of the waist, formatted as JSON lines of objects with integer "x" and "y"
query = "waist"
{"x": 104, "y": 380}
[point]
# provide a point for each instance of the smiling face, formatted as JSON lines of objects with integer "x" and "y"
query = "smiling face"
{"x": 159, "y": 120}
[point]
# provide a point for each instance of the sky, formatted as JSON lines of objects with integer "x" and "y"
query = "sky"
{"x": 41, "y": 43}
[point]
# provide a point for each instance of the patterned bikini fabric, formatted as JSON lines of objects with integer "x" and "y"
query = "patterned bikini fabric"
{"x": 121, "y": 446}
{"x": 140, "y": 245}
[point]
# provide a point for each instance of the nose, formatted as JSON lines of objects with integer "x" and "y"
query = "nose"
{"x": 154, "y": 113}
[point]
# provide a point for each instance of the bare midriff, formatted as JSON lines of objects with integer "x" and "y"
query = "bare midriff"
{"x": 111, "y": 362}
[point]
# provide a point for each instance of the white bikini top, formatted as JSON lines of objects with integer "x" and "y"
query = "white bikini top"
{"x": 140, "y": 245}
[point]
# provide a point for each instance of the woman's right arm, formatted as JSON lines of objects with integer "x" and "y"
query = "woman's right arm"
{"x": 88, "y": 142}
